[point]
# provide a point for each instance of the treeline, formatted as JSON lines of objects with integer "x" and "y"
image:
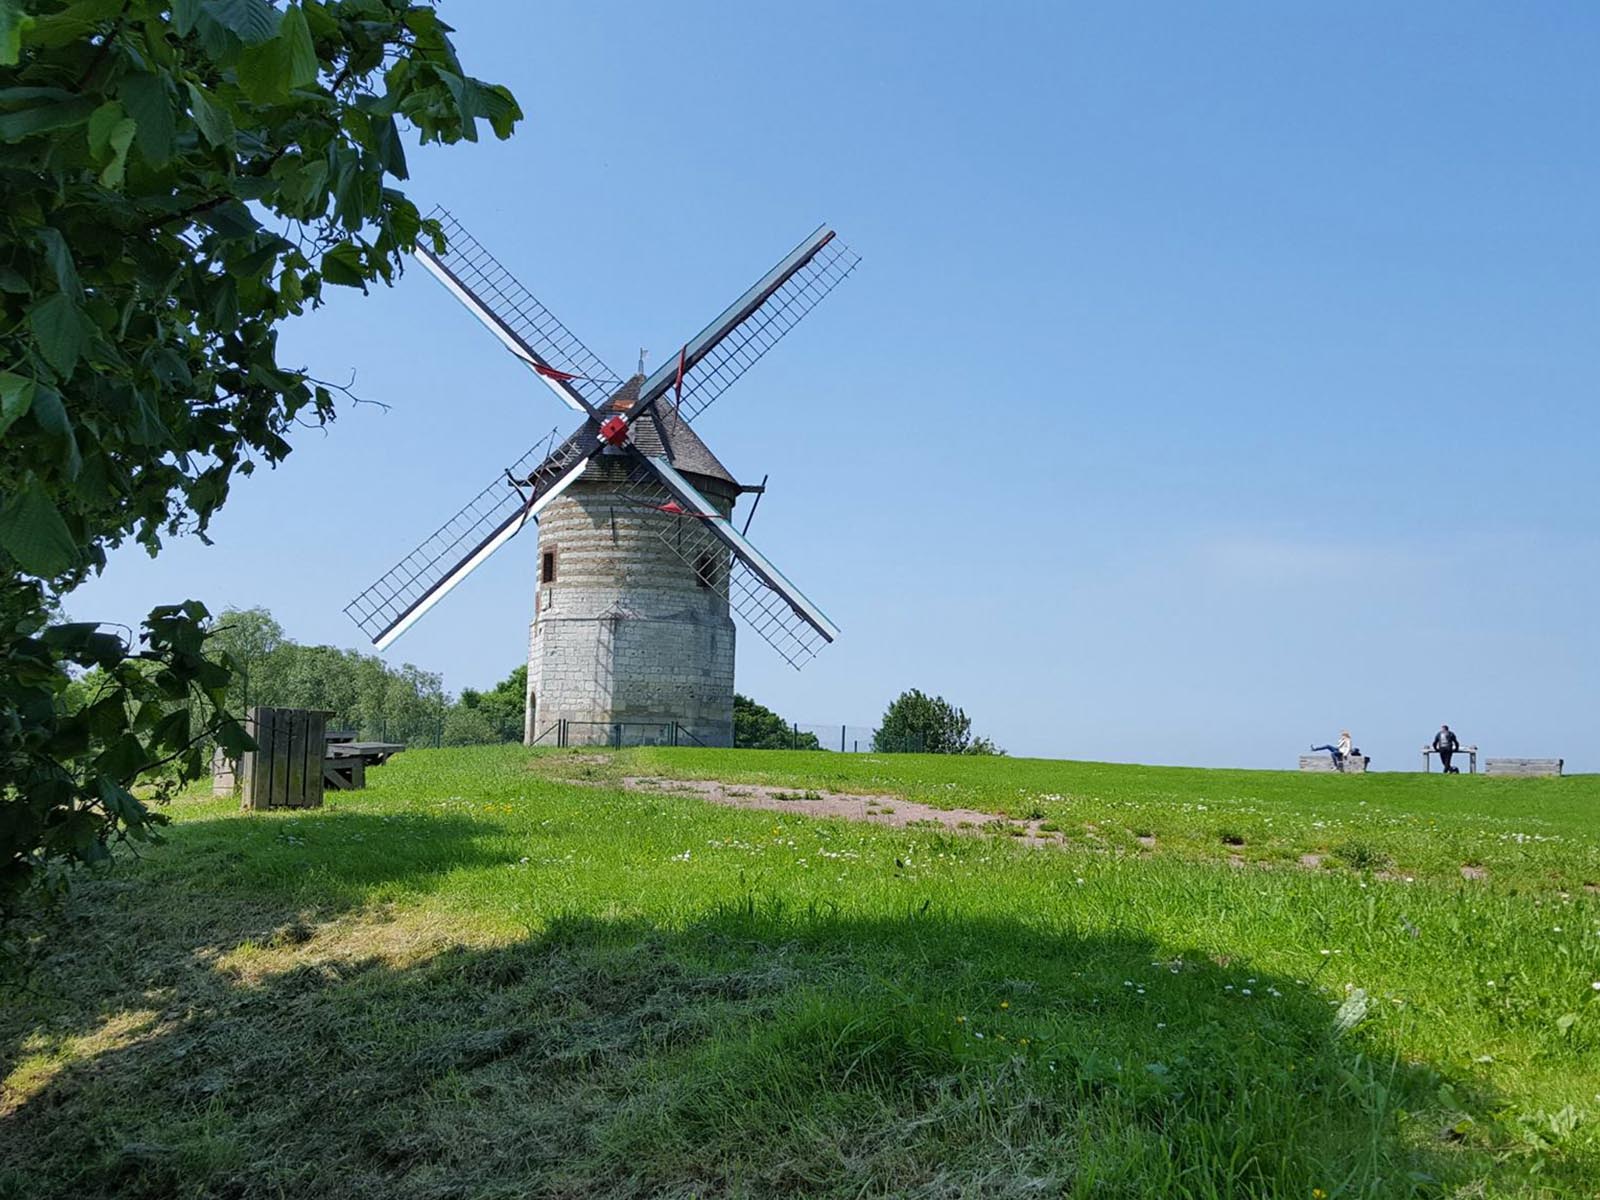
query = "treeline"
{"x": 407, "y": 704}
{"x": 364, "y": 693}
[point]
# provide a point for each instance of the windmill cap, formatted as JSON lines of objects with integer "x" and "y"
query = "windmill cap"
{"x": 661, "y": 432}
{"x": 626, "y": 396}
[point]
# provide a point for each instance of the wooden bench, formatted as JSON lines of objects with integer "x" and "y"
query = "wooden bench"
{"x": 1524, "y": 767}
{"x": 374, "y": 754}
{"x": 1354, "y": 764}
{"x": 1470, "y": 751}
{"x": 344, "y": 774}
{"x": 344, "y": 768}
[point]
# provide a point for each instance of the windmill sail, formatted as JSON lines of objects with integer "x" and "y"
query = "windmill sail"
{"x": 754, "y": 323}
{"x": 490, "y": 519}
{"x": 524, "y": 326}
{"x": 756, "y": 590}
{"x": 677, "y": 392}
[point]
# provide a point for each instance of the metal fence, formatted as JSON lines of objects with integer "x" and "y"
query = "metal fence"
{"x": 617, "y": 734}
{"x": 851, "y": 739}
{"x": 421, "y": 729}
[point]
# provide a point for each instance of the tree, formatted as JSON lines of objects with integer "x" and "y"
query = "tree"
{"x": 929, "y": 724}
{"x": 498, "y": 712}
{"x": 757, "y": 727}
{"x": 361, "y": 691}
{"x": 250, "y": 639}
{"x": 177, "y": 178}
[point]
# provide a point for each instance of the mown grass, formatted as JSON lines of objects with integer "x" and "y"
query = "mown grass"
{"x": 479, "y": 979}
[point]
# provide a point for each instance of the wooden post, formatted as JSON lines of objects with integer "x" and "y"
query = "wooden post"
{"x": 316, "y": 748}
{"x": 224, "y": 773}
{"x": 294, "y": 774}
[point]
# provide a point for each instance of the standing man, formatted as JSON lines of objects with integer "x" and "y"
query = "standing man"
{"x": 1445, "y": 743}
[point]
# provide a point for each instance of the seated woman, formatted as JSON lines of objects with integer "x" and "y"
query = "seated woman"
{"x": 1339, "y": 752}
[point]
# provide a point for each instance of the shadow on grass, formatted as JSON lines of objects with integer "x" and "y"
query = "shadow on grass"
{"x": 752, "y": 1053}
{"x": 135, "y": 939}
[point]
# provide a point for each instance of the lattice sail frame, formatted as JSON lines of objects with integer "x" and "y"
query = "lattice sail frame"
{"x": 515, "y": 316}
{"x": 736, "y": 353}
{"x": 783, "y": 623}
{"x": 496, "y": 514}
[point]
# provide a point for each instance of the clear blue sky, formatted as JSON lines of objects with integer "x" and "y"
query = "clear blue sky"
{"x": 1215, "y": 377}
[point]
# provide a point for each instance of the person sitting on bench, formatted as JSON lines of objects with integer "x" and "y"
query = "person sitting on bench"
{"x": 1339, "y": 752}
{"x": 1446, "y": 744}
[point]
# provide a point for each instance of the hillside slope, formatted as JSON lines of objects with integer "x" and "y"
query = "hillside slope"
{"x": 497, "y": 973}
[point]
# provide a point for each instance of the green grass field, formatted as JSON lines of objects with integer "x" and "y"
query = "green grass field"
{"x": 498, "y": 974}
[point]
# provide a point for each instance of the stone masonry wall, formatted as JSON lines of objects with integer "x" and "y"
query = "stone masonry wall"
{"x": 626, "y": 632}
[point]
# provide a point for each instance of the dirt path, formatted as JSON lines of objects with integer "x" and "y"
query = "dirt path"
{"x": 881, "y": 810}
{"x": 900, "y": 813}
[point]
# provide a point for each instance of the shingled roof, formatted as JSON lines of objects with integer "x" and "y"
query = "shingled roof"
{"x": 661, "y": 432}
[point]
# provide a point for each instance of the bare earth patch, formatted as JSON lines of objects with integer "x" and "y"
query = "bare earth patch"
{"x": 1474, "y": 872}
{"x": 881, "y": 810}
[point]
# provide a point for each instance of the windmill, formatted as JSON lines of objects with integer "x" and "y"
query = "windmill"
{"x": 640, "y": 566}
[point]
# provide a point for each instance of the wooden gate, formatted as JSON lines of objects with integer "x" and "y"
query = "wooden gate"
{"x": 285, "y": 771}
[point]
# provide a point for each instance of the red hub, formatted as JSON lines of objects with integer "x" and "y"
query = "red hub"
{"x": 614, "y": 431}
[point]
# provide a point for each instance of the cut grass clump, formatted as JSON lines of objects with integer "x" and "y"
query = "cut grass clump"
{"x": 1362, "y": 856}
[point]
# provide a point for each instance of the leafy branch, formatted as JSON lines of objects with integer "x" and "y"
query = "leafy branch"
{"x": 147, "y": 150}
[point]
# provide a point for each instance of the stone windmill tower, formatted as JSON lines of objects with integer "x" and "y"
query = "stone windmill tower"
{"x": 640, "y": 567}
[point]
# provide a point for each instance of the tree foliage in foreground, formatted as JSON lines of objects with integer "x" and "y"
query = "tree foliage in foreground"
{"x": 176, "y": 180}
{"x": 916, "y": 722}
{"x": 757, "y": 727}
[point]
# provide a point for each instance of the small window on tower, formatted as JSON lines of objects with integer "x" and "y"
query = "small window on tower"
{"x": 547, "y": 567}
{"x": 705, "y": 568}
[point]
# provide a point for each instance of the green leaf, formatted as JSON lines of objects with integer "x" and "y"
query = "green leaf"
{"x": 270, "y": 71}
{"x": 101, "y": 122}
{"x": 51, "y": 417}
{"x": 111, "y": 132}
{"x": 301, "y": 51}
{"x": 24, "y": 122}
{"x": 123, "y": 807}
{"x": 33, "y": 533}
{"x": 16, "y": 396}
{"x": 58, "y": 327}
{"x": 60, "y": 259}
{"x": 500, "y": 106}
{"x": 146, "y": 99}
{"x": 231, "y": 220}
{"x": 13, "y": 22}
{"x": 344, "y": 265}
{"x": 391, "y": 151}
{"x": 1566, "y": 1021}
{"x": 172, "y": 732}
{"x": 214, "y": 123}
{"x": 184, "y": 14}
{"x": 124, "y": 758}
{"x": 251, "y": 21}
